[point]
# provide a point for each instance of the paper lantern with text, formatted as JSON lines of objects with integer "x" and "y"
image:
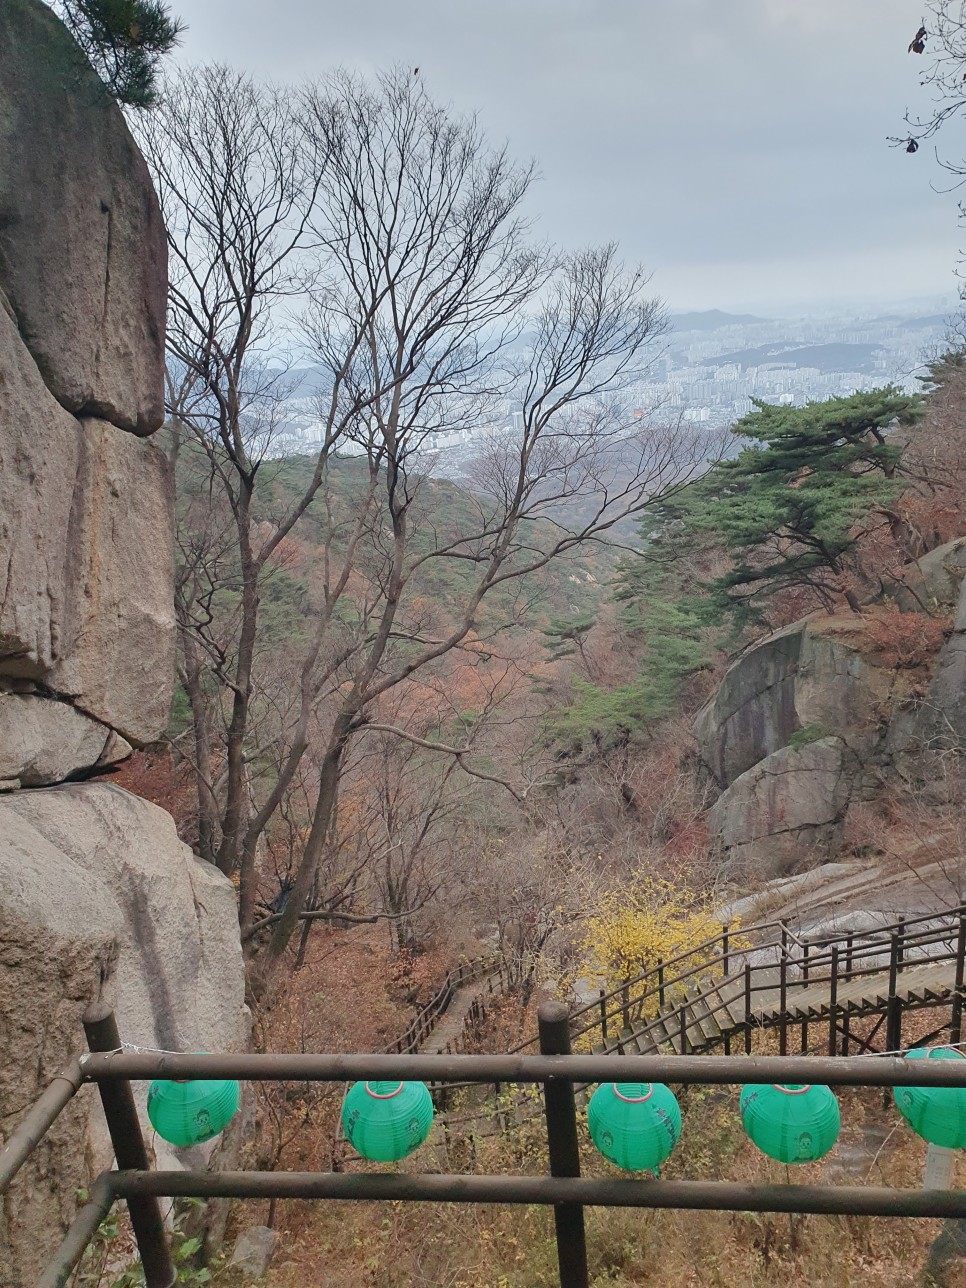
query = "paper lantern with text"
{"x": 386, "y": 1121}
{"x": 795, "y": 1123}
{"x": 937, "y": 1114}
{"x": 634, "y": 1124}
{"x": 191, "y": 1112}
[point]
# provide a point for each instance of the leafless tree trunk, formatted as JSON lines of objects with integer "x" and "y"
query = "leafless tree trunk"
{"x": 427, "y": 309}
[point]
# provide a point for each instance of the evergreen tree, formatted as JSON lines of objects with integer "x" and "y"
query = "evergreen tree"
{"x": 789, "y": 505}
{"x": 124, "y": 41}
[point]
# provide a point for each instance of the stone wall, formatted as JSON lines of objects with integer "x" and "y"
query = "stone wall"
{"x": 98, "y": 897}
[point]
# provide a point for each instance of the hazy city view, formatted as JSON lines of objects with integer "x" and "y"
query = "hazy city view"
{"x": 711, "y": 364}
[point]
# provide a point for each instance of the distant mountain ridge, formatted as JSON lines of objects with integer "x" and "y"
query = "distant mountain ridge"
{"x": 712, "y": 320}
{"x": 837, "y": 356}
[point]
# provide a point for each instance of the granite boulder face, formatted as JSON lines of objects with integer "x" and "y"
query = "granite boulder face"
{"x": 83, "y": 255}
{"x": 43, "y": 741}
{"x": 785, "y": 812}
{"x": 817, "y": 675}
{"x": 86, "y": 555}
{"x": 100, "y": 899}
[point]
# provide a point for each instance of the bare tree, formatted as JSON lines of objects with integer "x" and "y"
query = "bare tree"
{"x": 426, "y": 308}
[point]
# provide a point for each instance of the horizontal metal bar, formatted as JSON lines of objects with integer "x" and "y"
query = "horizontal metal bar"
{"x": 706, "y": 1195}
{"x": 84, "y": 1227}
{"x": 849, "y": 1071}
{"x": 25, "y": 1138}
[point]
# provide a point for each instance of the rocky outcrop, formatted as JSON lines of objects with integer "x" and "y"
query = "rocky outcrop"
{"x": 931, "y": 584}
{"x": 818, "y": 716}
{"x": 818, "y": 675}
{"x": 98, "y": 897}
{"x": 785, "y": 812}
{"x": 44, "y": 741}
{"x": 927, "y": 731}
{"x": 82, "y": 247}
{"x": 86, "y": 555}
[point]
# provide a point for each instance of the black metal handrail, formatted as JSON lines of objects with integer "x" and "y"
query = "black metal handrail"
{"x": 892, "y": 942}
{"x": 659, "y": 981}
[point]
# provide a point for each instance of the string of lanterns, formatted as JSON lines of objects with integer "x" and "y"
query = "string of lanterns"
{"x": 635, "y": 1125}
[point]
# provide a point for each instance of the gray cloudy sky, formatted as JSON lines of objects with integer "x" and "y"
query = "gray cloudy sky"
{"x": 736, "y": 147}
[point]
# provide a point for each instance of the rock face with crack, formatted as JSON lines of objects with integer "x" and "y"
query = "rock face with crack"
{"x": 83, "y": 258}
{"x": 98, "y": 897}
{"x": 817, "y": 716}
{"x": 785, "y": 811}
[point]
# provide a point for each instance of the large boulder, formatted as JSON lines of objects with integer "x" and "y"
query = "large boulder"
{"x": 786, "y": 811}
{"x": 83, "y": 255}
{"x": 819, "y": 675}
{"x": 86, "y": 555}
{"x": 44, "y": 741}
{"x": 99, "y": 898}
{"x": 932, "y": 583}
{"x": 928, "y": 730}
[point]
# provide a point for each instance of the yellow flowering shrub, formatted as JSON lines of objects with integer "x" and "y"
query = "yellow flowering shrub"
{"x": 638, "y": 925}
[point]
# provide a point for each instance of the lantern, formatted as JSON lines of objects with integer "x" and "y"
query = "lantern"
{"x": 387, "y": 1120}
{"x": 937, "y": 1114}
{"x": 793, "y": 1123}
{"x": 188, "y": 1113}
{"x": 634, "y": 1124}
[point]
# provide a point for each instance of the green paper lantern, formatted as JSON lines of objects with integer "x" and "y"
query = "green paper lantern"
{"x": 634, "y": 1124}
{"x": 795, "y": 1123}
{"x": 188, "y": 1113}
{"x": 937, "y": 1114}
{"x": 385, "y": 1121}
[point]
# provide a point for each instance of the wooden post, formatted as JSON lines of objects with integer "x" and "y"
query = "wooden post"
{"x": 660, "y": 983}
{"x": 833, "y": 990}
{"x": 956, "y": 1015}
{"x": 848, "y": 957}
{"x": 603, "y": 1017}
{"x": 625, "y": 1006}
{"x": 725, "y": 954}
{"x": 806, "y": 946}
{"x": 117, "y": 1100}
{"x": 563, "y": 1148}
{"x": 683, "y": 1030}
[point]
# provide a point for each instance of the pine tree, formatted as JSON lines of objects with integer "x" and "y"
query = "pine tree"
{"x": 124, "y": 41}
{"x": 790, "y": 505}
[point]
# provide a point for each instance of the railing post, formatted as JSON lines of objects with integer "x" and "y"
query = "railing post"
{"x": 603, "y": 1016}
{"x": 563, "y": 1148}
{"x": 660, "y": 983}
{"x": 117, "y": 1100}
{"x": 956, "y": 1016}
{"x": 747, "y": 1008}
{"x": 625, "y": 1006}
{"x": 783, "y": 994}
{"x": 848, "y": 957}
{"x": 724, "y": 950}
{"x": 683, "y": 1030}
{"x": 833, "y": 991}
{"x": 806, "y": 946}
{"x": 894, "y": 1005}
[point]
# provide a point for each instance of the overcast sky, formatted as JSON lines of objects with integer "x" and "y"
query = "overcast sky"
{"x": 736, "y": 147}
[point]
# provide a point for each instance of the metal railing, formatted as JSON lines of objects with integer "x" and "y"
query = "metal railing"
{"x": 112, "y": 1070}
{"x": 639, "y": 1009}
